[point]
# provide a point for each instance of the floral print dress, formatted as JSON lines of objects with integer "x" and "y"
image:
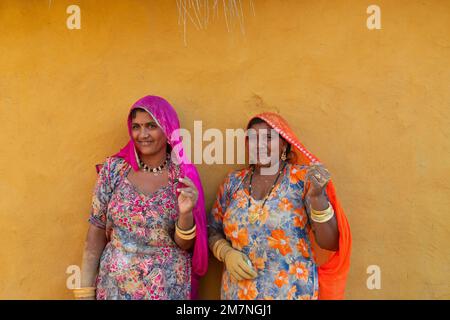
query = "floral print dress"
{"x": 274, "y": 237}
{"x": 142, "y": 260}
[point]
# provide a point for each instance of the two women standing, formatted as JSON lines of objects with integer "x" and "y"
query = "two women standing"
{"x": 148, "y": 233}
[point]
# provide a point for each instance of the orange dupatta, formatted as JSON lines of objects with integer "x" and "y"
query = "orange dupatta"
{"x": 333, "y": 266}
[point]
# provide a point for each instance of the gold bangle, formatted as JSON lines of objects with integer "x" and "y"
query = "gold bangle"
{"x": 184, "y": 236}
{"x": 85, "y": 289}
{"x": 85, "y": 295}
{"x": 85, "y": 292}
{"x": 185, "y": 232}
{"x": 218, "y": 246}
{"x": 224, "y": 251}
{"x": 214, "y": 247}
{"x": 221, "y": 245}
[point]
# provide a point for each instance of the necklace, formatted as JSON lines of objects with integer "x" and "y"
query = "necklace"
{"x": 157, "y": 170}
{"x": 270, "y": 191}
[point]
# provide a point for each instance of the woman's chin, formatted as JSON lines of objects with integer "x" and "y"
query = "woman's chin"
{"x": 147, "y": 151}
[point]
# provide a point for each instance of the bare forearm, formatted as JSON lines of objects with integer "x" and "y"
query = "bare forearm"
{"x": 95, "y": 243}
{"x": 326, "y": 233}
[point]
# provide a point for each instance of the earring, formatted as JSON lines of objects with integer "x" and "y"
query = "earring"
{"x": 283, "y": 155}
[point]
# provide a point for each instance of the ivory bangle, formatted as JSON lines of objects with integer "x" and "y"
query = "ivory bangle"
{"x": 322, "y": 216}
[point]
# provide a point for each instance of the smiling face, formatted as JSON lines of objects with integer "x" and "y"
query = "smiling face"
{"x": 265, "y": 144}
{"x": 147, "y": 135}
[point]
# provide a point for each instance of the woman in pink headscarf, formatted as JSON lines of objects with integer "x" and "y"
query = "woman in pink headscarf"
{"x": 147, "y": 237}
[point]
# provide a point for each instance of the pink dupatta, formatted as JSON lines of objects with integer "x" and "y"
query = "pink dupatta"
{"x": 166, "y": 117}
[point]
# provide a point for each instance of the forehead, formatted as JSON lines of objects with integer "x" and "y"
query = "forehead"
{"x": 261, "y": 126}
{"x": 142, "y": 117}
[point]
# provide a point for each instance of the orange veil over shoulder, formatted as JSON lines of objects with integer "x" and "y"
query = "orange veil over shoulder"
{"x": 333, "y": 266}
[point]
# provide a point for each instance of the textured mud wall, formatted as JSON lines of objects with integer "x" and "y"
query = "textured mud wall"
{"x": 372, "y": 104}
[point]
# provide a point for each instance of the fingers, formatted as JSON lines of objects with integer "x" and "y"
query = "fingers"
{"x": 238, "y": 267}
{"x": 188, "y": 192}
{"x": 240, "y": 274}
{"x": 324, "y": 172}
{"x": 187, "y": 182}
{"x": 235, "y": 275}
{"x": 244, "y": 275}
{"x": 247, "y": 271}
{"x": 319, "y": 168}
{"x": 311, "y": 176}
{"x": 318, "y": 174}
{"x": 242, "y": 271}
{"x": 191, "y": 190}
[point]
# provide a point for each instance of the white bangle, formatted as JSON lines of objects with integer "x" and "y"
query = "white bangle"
{"x": 322, "y": 216}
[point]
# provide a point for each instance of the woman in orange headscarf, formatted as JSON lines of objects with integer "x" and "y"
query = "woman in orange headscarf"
{"x": 281, "y": 234}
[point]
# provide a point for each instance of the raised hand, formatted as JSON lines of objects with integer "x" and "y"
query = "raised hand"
{"x": 318, "y": 176}
{"x": 188, "y": 196}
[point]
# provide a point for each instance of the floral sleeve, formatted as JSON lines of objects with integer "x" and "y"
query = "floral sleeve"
{"x": 215, "y": 218}
{"x": 102, "y": 193}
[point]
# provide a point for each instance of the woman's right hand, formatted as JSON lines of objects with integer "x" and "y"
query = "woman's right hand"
{"x": 239, "y": 265}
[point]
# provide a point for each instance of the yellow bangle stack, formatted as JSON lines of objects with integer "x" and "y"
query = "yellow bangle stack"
{"x": 219, "y": 245}
{"x": 87, "y": 292}
{"x": 186, "y": 234}
{"x": 322, "y": 216}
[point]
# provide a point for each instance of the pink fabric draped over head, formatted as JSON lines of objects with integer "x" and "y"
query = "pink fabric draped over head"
{"x": 166, "y": 117}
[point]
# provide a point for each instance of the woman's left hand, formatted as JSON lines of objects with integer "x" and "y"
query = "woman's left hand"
{"x": 318, "y": 176}
{"x": 188, "y": 196}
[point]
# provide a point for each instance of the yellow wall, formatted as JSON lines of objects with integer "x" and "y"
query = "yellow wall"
{"x": 373, "y": 105}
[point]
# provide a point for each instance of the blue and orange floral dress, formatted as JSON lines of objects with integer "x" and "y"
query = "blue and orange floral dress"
{"x": 274, "y": 237}
{"x": 142, "y": 260}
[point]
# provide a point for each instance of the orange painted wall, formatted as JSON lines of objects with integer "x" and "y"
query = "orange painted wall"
{"x": 372, "y": 104}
